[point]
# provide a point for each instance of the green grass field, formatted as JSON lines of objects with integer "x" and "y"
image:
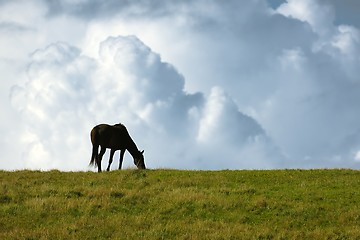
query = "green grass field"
{"x": 171, "y": 204}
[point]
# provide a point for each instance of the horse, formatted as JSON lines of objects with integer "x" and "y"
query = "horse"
{"x": 115, "y": 137}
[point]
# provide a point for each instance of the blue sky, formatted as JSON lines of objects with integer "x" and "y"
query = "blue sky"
{"x": 200, "y": 85}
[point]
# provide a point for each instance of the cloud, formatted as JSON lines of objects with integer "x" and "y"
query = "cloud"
{"x": 53, "y": 104}
{"x": 326, "y": 112}
{"x": 287, "y": 80}
{"x": 233, "y": 136}
{"x": 347, "y": 12}
{"x": 221, "y": 121}
{"x": 67, "y": 93}
{"x": 320, "y": 16}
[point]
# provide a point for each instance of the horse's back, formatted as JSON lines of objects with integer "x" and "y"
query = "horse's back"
{"x": 110, "y": 136}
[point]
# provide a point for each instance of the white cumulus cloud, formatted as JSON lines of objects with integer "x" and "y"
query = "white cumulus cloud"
{"x": 203, "y": 84}
{"x": 67, "y": 93}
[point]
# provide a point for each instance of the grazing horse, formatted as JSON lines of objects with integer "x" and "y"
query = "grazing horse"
{"x": 115, "y": 137}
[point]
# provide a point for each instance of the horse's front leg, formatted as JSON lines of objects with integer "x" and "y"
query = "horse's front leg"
{"x": 110, "y": 159}
{"x": 122, "y": 152}
{"x": 100, "y": 156}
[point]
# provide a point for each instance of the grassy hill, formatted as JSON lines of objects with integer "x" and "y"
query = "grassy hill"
{"x": 170, "y": 204}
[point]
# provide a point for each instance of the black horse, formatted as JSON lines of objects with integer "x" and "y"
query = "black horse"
{"x": 115, "y": 137}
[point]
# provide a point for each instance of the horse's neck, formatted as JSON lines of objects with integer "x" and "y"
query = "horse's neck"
{"x": 132, "y": 148}
{"x": 130, "y": 144}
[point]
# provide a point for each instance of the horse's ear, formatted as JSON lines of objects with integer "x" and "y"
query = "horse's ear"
{"x": 142, "y": 152}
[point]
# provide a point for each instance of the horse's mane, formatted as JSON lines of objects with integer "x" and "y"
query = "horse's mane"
{"x": 119, "y": 125}
{"x": 122, "y": 126}
{"x": 124, "y": 129}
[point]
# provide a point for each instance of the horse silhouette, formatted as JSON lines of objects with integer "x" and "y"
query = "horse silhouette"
{"x": 115, "y": 137}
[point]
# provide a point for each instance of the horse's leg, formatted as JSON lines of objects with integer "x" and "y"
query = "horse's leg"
{"x": 111, "y": 159}
{"x": 121, "y": 157}
{"x": 100, "y": 156}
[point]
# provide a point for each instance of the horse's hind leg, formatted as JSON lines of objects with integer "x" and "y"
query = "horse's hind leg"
{"x": 110, "y": 159}
{"x": 100, "y": 156}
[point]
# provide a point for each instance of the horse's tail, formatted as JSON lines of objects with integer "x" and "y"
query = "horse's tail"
{"x": 94, "y": 135}
{"x": 94, "y": 156}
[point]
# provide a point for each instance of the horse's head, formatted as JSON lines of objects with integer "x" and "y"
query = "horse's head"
{"x": 139, "y": 160}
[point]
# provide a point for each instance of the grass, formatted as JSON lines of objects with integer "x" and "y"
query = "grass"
{"x": 172, "y": 204}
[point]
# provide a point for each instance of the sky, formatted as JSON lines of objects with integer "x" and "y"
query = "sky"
{"x": 209, "y": 85}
